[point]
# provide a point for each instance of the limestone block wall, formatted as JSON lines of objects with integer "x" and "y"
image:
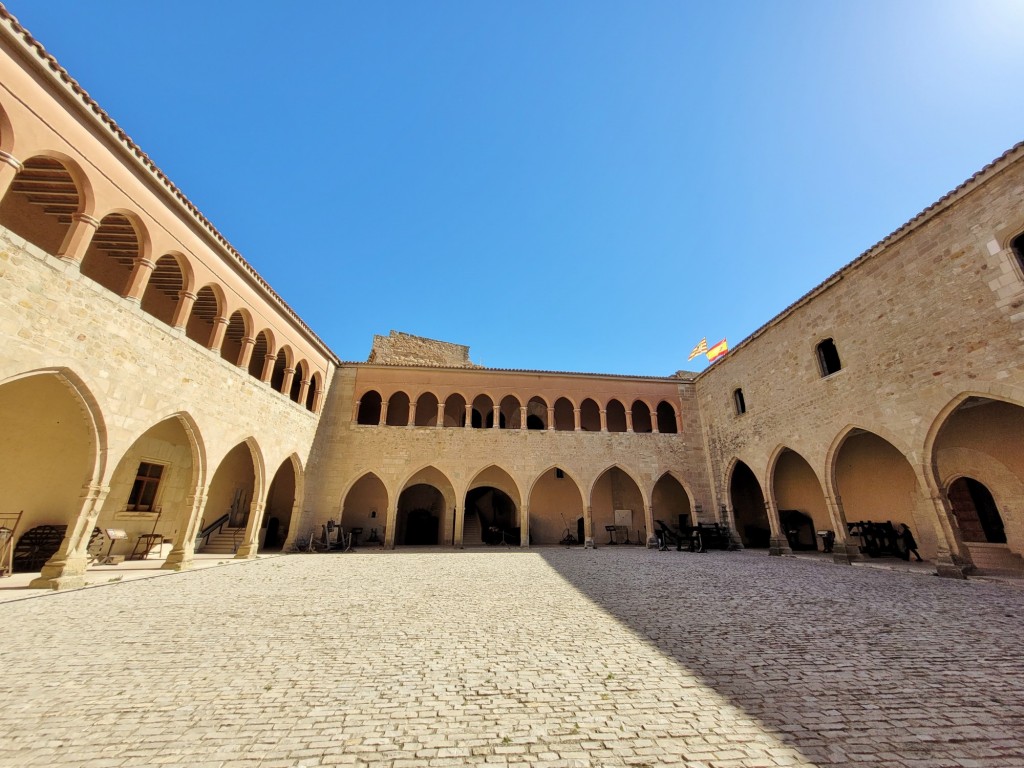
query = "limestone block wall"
{"x": 130, "y": 372}
{"x": 925, "y": 320}
{"x": 405, "y": 349}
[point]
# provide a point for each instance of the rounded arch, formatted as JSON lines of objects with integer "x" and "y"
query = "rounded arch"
{"x": 537, "y": 413}
{"x": 207, "y": 307}
{"x": 368, "y": 412}
{"x": 6, "y": 131}
{"x": 641, "y": 416}
{"x": 565, "y": 415}
{"x": 118, "y": 244}
{"x": 165, "y": 286}
{"x": 590, "y": 415}
{"x": 398, "y": 409}
{"x": 615, "y": 416}
{"x": 511, "y": 413}
{"x": 483, "y": 412}
{"x": 666, "y": 418}
{"x": 455, "y": 410}
{"x": 283, "y": 362}
{"x": 301, "y": 375}
{"x": 427, "y": 409}
{"x": 44, "y": 196}
{"x": 238, "y": 329}
{"x": 313, "y": 394}
{"x": 260, "y": 351}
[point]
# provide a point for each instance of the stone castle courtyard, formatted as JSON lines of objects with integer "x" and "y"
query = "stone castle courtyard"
{"x": 548, "y": 657}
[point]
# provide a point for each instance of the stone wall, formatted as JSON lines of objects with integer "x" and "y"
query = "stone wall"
{"x": 405, "y": 349}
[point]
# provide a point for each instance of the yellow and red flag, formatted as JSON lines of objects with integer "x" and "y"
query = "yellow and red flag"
{"x": 700, "y": 349}
{"x": 718, "y": 350}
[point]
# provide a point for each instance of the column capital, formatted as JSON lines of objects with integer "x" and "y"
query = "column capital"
{"x": 85, "y": 218}
{"x": 8, "y": 159}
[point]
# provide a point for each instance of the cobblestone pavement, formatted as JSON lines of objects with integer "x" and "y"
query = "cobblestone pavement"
{"x": 549, "y": 657}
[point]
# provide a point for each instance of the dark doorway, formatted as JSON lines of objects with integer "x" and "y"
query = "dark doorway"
{"x": 976, "y": 512}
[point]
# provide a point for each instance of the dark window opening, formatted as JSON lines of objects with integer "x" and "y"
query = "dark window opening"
{"x": 1017, "y": 244}
{"x": 534, "y": 422}
{"x": 143, "y": 494}
{"x": 559, "y": 474}
{"x": 741, "y": 404}
{"x": 828, "y": 357}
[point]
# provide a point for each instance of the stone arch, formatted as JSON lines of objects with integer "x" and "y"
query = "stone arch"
{"x": 615, "y": 416}
{"x": 590, "y": 415}
{"x": 172, "y": 276}
{"x": 238, "y": 484}
{"x": 369, "y": 409}
{"x": 261, "y": 349}
{"x": 746, "y": 499}
{"x": 556, "y": 507}
{"x": 314, "y": 393}
{"x": 284, "y": 361}
{"x": 43, "y": 200}
{"x": 202, "y": 320}
{"x": 537, "y": 413}
{"x": 238, "y": 329}
{"x": 876, "y": 483}
{"x": 493, "y": 507}
{"x": 283, "y": 502}
{"x": 364, "y": 504}
{"x": 511, "y": 413}
{"x": 483, "y": 412}
{"x": 565, "y": 415}
{"x": 672, "y": 502}
{"x": 641, "y": 416}
{"x": 431, "y": 521}
{"x": 301, "y": 375}
{"x": 6, "y": 131}
{"x": 455, "y": 410}
{"x": 118, "y": 244}
{"x": 427, "y": 408}
{"x": 398, "y": 409}
{"x": 616, "y": 488}
{"x": 798, "y": 494}
{"x": 666, "y": 418}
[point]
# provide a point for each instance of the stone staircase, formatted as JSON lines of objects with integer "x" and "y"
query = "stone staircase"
{"x": 222, "y": 542}
{"x": 996, "y": 557}
{"x": 472, "y": 533}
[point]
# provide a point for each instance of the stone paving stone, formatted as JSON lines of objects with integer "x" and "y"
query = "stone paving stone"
{"x": 552, "y": 657}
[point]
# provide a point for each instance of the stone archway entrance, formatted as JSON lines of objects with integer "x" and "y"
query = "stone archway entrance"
{"x": 617, "y": 502}
{"x": 800, "y": 501}
{"x": 491, "y": 518}
{"x": 277, "y": 515}
{"x": 365, "y": 507}
{"x": 748, "y": 508}
{"x": 556, "y": 509}
{"x": 420, "y": 512}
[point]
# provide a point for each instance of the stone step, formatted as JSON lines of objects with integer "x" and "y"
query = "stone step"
{"x": 995, "y": 557}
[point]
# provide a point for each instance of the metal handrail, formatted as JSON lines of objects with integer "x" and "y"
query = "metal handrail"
{"x": 204, "y": 535}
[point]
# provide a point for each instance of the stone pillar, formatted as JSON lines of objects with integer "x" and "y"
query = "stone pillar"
{"x": 728, "y": 518}
{"x": 137, "y": 283}
{"x": 679, "y": 423}
{"x": 383, "y": 420}
{"x": 248, "y": 344}
{"x": 268, "y": 368}
{"x": 440, "y": 414}
{"x": 522, "y": 417}
{"x": 576, "y": 419}
{"x": 251, "y": 540}
{"x": 778, "y": 545}
{"x": 843, "y": 550}
{"x": 391, "y": 526}
{"x": 524, "y": 526}
{"x": 286, "y": 382}
{"x": 10, "y": 167}
{"x": 220, "y": 327}
{"x": 496, "y": 416}
{"x": 654, "y": 423}
{"x": 469, "y": 416}
{"x": 460, "y": 524}
{"x": 952, "y": 558}
{"x": 652, "y": 540}
{"x": 186, "y": 300}
{"x": 412, "y": 414}
{"x": 79, "y": 236}
{"x": 318, "y": 398}
{"x": 588, "y": 527}
{"x": 551, "y": 417}
{"x": 604, "y": 420}
{"x": 67, "y": 566}
{"x": 184, "y": 547}
{"x": 629, "y": 419}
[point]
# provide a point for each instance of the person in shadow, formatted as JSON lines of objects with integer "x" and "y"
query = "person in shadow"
{"x": 907, "y": 543}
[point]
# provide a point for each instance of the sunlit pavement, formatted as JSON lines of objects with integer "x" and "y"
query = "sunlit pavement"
{"x": 551, "y": 657}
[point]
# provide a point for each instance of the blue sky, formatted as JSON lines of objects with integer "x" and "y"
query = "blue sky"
{"x": 581, "y": 186}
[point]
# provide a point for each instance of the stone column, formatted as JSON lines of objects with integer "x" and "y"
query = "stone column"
{"x": 286, "y": 382}
{"x": 496, "y": 416}
{"x": 679, "y": 423}
{"x": 522, "y": 417}
{"x": 629, "y": 419}
{"x": 186, "y": 300}
{"x": 248, "y": 344}
{"x": 251, "y": 541}
{"x": 79, "y": 236}
{"x": 184, "y": 548}
{"x": 268, "y": 368}
{"x": 551, "y": 417}
{"x": 604, "y": 420}
{"x": 952, "y": 558}
{"x": 460, "y": 523}
{"x": 412, "y": 413}
{"x": 588, "y": 527}
{"x": 220, "y": 327}
{"x": 727, "y": 517}
{"x": 843, "y": 550}
{"x": 390, "y": 526}
{"x": 576, "y": 419}
{"x": 524, "y": 526}
{"x": 66, "y": 568}
{"x": 137, "y": 283}
{"x": 383, "y": 420}
{"x": 654, "y": 422}
{"x": 10, "y": 167}
{"x": 652, "y": 540}
{"x": 469, "y": 416}
{"x": 440, "y": 414}
{"x": 778, "y": 545}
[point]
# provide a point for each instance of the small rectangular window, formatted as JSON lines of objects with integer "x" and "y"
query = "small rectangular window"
{"x": 740, "y": 402}
{"x": 147, "y": 481}
{"x": 559, "y": 474}
{"x": 828, "y": 358}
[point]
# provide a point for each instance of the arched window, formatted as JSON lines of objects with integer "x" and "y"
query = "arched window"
{"x": 231, "y": 347}
{"x": 163, "y": 291}
{"x": 739, "y": 401}
{"x": 205, "y": 312}
{"x": 39, "y": 203}
{"x": 369, "y": 408}
{"x": 666, "y": 419}
{"x": 483, "y": 412}
{"x": 398, "y": 410}
{"x": 615, "y": 415}
{"x": 312, "y": 392}
{"x": 258, "y": 359}
{"x": 112, "y": 253}
{"x": 590, "y": 416}
{"x": 536, "y": 414}
{"x": 301, "y": 372}
{"x": 426, "y": 410}
{"x": 511, "y": 415}
{"x": 565, "y": 415}
{"x": 641, "y": 417}
{"x": 828, "y": 358}
{"x": 281, "y": 366}
{"x": 1017, "y": 244}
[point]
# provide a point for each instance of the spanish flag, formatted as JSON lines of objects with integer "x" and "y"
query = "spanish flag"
{"x": 700, "y": 349}
{"x": 718, "y": 350}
